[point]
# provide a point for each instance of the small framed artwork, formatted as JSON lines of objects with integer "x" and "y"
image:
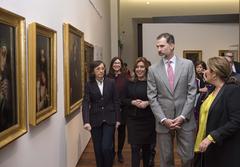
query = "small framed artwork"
{"x": 42, "y": 73}
{"x": 98, "y": 52}
{"x": 88, "y": 57}
{"x": 12, "y": 77}
{"x": 73, "y": 67}
{"x": 194, "y": 55}
{"x": 235, "y": 53}
{"x": 222, "y": 53}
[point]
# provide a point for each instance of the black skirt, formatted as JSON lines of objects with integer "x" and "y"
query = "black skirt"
{"x": 141, "y": 128}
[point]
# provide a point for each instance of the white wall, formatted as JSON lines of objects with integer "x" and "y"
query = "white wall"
{"x": 114, "y": 28}
{"x": 210, "y": 38}
{"x": 130, "y": 9}
{"x": 58, "y": 142}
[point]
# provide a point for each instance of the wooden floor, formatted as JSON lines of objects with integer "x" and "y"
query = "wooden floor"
{"x": 88, "y": 159}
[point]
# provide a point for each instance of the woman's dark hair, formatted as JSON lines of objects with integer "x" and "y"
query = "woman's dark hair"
{"x": 146, "y": 64}
{"x": 111, "y": 72}
{"x": 202, "y": 63}
{"x": 92, "y": 66}
{"x": 204, "y": 66}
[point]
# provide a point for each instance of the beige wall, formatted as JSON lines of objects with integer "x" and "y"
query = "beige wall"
{"x": 58, "y": 141}
{"x": 138, "y": 9}
{"x": 209, "y": 38}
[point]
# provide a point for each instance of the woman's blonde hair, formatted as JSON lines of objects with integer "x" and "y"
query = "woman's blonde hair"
{"x": 221, "y": 67}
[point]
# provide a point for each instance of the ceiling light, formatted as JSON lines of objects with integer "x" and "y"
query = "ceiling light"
{"x": 147, "y": 2}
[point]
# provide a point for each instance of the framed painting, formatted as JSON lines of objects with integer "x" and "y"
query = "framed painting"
{"x": 12, "y": 77}
{"x": 235, "y": 53}
{"x": 73, "y": 68}
{"x": 42, "y": 73}
{"x": 194, "y": 55}
{"x": 98, "y": 52}
{"x": 88, "y": 57}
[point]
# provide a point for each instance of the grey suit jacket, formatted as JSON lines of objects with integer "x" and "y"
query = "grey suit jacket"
{"x": 166, "y": 104}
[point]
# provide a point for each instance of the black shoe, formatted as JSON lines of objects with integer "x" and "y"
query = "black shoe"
{"x": 120, "y": 157}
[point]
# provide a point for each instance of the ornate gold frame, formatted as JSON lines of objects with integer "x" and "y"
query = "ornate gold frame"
{"x": 235, "y": 53}
{"x": 88, "y": 57}
{"x": 194, "y": 55}
{"x": 68, "y": 31}
{"x": 18, "y": 24}
{"x": 35, "y": 117}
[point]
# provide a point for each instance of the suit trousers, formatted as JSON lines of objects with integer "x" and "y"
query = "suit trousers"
{"x": 185, "y": 146}
{"x": 103, "y": 145}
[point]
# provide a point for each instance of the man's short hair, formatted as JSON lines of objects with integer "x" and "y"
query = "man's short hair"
{"x": 169, "y": 37}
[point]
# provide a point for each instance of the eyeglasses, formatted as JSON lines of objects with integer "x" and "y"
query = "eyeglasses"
{"x": 229, "y": 55}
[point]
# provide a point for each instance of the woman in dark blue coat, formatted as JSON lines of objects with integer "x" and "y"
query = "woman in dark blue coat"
{"x": 101, "y": 113}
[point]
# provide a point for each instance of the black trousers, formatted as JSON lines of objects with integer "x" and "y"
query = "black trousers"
{"x": 136, "y": 154}
{"x": 199, "y": 160}
{"x": 103, "y": 145}
{"x": 121, "y": 138}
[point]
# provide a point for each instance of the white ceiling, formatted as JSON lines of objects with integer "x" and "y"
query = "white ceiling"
{"x": 140, "y": 8}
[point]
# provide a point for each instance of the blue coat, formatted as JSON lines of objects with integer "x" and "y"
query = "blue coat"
{"x": 98, "y": 108}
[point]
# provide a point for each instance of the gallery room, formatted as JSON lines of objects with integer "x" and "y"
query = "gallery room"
{"x": 49, "y": 44}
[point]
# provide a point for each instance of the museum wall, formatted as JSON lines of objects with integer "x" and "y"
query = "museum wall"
{"x": 58, "y": 141}
{"x": 208, "y": 38}
{"x": 130, "y": 9}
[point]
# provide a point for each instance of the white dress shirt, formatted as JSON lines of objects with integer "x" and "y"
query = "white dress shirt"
{"x": 100, "y": 86}
{"x": 173, "y": 63}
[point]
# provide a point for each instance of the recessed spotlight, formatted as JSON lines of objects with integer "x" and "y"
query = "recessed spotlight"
{"x": 147, "y": 2}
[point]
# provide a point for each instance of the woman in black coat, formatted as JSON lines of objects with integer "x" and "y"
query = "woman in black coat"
{"x": 217, "y": 143}
{"x": 140, "y": 119}
{"x": 101, "y": 113}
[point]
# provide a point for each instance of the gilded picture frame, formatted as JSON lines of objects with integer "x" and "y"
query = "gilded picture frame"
{"x": 12, "y": 77}
{"x": 42, "y": 73}
{"x": 194, "y": 55}
{"x": 73, "y": 68}
{"x": 235, "y": 53}
{"x": 88, "y": 57}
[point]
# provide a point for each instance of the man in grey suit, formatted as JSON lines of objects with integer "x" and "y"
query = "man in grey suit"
{"x": 171, "y": 92}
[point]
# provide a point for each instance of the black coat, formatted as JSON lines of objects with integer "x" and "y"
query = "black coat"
{"x": 237, "y": 67}
{"x": 99, "y": 108}
{"x": 223, "y": 125}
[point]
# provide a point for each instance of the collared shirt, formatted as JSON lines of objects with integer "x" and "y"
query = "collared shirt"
{"x": 233, "y": 68}
{"x": 100, "y": 85}
{"x": 173, "y": 63}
